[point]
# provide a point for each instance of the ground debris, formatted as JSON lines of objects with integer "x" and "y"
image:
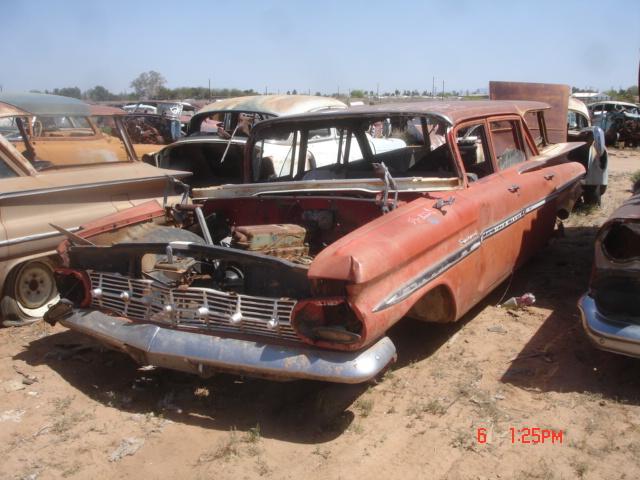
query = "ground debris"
{"x": 13, "y": 386}
{"x": 497, "y": 329}
{"x": 12, "y": 416}
{"x": 128, "y": 446}
{"x": 27, "y": 378}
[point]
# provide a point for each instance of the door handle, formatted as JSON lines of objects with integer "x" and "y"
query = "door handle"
{"x": 549, "y": 176}
{"x": 514, "y": 188}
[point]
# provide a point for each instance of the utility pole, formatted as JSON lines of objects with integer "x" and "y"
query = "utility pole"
{"x": 377, "y": 90}
{"x": 209, "y": 90}
{"x": 442, "y": 89}
{"x": 433, "y": 87}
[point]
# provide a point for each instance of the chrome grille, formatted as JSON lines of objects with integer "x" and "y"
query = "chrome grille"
{"x": 144, "y": 300}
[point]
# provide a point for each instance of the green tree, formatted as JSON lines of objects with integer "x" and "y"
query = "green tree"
{"x": 73, "y": 92}
{"x": 148, "y": 84}
{"x": 357, "y": 93}
{"x": 99, "y": 94}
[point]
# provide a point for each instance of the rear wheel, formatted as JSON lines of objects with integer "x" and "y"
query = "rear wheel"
{"x": 30, "y": 289}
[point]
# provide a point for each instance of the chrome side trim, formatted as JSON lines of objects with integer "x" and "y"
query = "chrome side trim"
{"x": 83, "y": 186}
{"x": 432, "y": 272}
{"x": 199, "y": 354}
{"x": 36, "y": 236}
{"x": 612, "y": 335}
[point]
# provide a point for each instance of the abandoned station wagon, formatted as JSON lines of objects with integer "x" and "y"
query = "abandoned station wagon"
{"x": 302, "y": 276}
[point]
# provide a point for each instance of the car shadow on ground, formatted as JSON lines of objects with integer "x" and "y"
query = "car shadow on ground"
{"x": 298, "y": 411}
{"x": 559, "y": 357}
{"x": 315, "y": 412}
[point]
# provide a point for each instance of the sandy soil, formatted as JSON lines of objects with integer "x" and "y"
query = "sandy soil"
{"x": 69, "y": 409}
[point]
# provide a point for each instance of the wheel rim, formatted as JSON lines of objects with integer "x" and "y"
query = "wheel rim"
{"x": 35, "y": 287}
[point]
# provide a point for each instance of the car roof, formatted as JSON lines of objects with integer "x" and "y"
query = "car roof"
{"x": 613, "y": 102}
{"x": 101, "y": 110}
{"x": 452, "y": 112}
{"x": 273, "y": 104}
{"x": 578, "y": 105}
{"x": 45, "y": 104}
{"x": 7, "y": 110}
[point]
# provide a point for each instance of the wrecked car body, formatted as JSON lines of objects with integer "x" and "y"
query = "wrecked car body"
{"x": 302, "y": 276}
{"x": 610, "y": 309}
{"x": 147, "y": 132}
{"x": 213, "y": 149}
{"x": 54, "y": 184}
{"x": 619, "y": 120}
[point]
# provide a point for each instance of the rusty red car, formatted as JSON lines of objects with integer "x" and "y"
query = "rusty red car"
{"x": 301, "y": 276}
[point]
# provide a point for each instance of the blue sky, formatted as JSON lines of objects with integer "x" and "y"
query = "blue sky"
{"x": 319, "y": 45}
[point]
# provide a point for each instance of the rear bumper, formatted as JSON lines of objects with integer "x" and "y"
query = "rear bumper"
{"x": 202, "y": 354}
{"x": 616, "y": 336}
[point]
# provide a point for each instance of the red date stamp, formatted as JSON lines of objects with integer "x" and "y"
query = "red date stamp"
{"x": 526, "y": 436}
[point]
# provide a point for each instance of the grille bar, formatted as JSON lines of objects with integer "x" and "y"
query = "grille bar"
{"x": 193, "y": 308}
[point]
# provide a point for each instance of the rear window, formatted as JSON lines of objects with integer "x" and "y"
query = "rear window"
{"x": 61, "y": 126}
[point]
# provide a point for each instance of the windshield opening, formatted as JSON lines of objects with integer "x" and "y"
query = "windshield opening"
{"x": 409, "y": 145}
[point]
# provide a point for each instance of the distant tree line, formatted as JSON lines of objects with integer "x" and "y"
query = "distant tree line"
{"x": 152, "y": 85}
{"x": 146, "y": 86}
{"x": 621, "y": 94}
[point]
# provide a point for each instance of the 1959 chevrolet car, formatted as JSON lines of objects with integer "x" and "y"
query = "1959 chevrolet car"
{"x": 302, "y": 276}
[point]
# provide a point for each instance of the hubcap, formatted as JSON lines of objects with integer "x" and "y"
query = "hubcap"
{"x": 35, "y": 285}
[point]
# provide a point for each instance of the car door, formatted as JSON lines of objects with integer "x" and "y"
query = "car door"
{"x": 528, "y": 188}
{"x": 6, "y": 172}
{"x": 496, "y": 206}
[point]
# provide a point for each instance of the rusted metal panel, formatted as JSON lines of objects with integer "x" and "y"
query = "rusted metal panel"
{"x": 554, "y": 94}
{"x": 452, "y": 112}
{"x": 100, "y": 110}
{"x": 282, "y": 240}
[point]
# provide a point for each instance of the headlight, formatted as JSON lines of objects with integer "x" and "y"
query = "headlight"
{"x": 328, "y": 320}
{"x": 621, "y": 242}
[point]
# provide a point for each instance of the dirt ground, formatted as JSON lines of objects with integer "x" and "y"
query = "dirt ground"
{"x": 69, "y": 409}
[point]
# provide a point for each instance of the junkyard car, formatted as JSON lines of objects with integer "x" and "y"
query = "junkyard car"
{"x": 148, "y": 132}
{"x": 610, "y": 309}
{"x": 619, "y": 120}
{"x": 213, "y": 149}
{"x": 59, "y": 182}
{"x": 182, "y": 111}
{"x": 568, "y": 120}
{"x": 301, "y": 277}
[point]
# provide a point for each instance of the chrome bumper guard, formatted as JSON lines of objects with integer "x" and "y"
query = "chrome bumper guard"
{"x": 202, "y": 354}
{"x": 618, "y": 336}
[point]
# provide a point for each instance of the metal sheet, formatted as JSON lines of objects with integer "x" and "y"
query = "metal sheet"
{"x": 554, "y": 94}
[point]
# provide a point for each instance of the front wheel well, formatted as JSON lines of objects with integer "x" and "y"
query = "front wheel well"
{"x": 437, "y": 305}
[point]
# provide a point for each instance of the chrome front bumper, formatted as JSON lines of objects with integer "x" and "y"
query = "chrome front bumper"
{"x": 202, "y": 354}
{"x": 616, "y": 336}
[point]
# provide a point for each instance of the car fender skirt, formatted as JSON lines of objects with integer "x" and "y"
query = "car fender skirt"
{"x": 204, "y": 354}
{"x": 618, "y": 336}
